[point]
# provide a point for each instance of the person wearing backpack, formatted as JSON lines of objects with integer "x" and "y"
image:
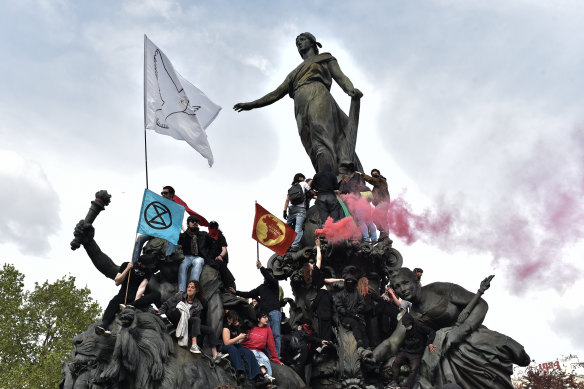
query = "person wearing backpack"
{"x": 295, "y": 209}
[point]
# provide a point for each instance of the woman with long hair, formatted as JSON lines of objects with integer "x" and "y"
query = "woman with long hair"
{"x": 232, "y": 337}
{"x": 184, "y": 312}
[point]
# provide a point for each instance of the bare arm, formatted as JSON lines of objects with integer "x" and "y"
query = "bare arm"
{"x": 121, "y": 276}
{"x": 332, "y": 280}
{"x": 343, "y": 81}
{"x": 141, "y": 289}
{"x": 228, "y": 340}
{"x": 318, "y": 253}
{"x": 223, "y": 253}
{"x": 268, "y": 99}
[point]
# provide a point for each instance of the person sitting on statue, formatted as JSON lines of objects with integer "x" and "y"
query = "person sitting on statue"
{"x": 295, "y": 209}
{"x": 326, "y": 186}
{"x": 417, "y": 337}
{"x": 184, "y": 311}
{"x": 269, "y": 296}
{"x": 195, "y": 245}
{"x": 350, "y": 306}
{"x": 133, "y": 281}
{"x": 232, "y": 337}
{"x": 218, "y": 255}
{"x": 141, "y": 239}
{"x": 418, "y": 272}
{"x": 259, "y": 339}
{"x": 462, "y": 342}
{"x": 322, "y": 305}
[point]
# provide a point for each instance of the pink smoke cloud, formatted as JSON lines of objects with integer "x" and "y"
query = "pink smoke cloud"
{"x": 344, "y": 229}
{"x": 527, "y": 226}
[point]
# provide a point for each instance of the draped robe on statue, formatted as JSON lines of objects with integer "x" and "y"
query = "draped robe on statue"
{"x": 323, "y": 127}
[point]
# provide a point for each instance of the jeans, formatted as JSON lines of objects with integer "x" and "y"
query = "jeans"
{"x": 367, "y": 228}
{"x": 275, "y": 319}
{"x": 197, "y": 267}
{"x": 296, "y": 216}
{"x": 141, "y": 241}
{"x": 262, "y": 360}
{"x": 328, "y": 205}
{"x": 236, "y": 353}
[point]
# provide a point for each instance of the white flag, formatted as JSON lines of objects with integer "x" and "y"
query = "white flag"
{"x": 173, "y": 105}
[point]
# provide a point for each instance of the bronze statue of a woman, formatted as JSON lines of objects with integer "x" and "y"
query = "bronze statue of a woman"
{"x": 327, "y": 134}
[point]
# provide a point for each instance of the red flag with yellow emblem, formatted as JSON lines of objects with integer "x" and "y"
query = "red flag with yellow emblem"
{"x": 271, "y": 232}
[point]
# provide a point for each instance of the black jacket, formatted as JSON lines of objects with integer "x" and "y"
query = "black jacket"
{"x": 203, "y": 243}
{"x": 418, "y": 337}
{"x": 349, "y": 303}
{"x": 325, "y": 181}
{"x": 268, "y": 293}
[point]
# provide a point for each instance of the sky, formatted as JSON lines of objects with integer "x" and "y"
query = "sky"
{"x": 471, "y": 109}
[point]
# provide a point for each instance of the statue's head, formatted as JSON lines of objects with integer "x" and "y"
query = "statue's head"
{"x": 403, "y": 281}
{"x": 90, "y": 347}
{"x": 307, "y": 41}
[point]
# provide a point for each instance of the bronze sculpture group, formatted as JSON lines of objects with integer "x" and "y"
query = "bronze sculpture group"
{"x": 143, "y": 355}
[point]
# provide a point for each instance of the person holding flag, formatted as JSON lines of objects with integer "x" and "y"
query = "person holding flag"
{"x": 133, "y": 281}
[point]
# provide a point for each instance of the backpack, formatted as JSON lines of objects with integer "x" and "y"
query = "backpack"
{"x": 296, "y": 194}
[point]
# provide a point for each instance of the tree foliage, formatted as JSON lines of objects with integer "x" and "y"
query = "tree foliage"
{"x": 553, "y": 379}
{"x": 37, "y": 328}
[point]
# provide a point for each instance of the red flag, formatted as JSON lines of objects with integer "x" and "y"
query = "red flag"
{"x": 272, "y": 232}
{"x": 202, "y": 221}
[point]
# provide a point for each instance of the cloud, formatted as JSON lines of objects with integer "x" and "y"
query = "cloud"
{"x": 30, "y": 211}
{"x": 568, "y": 322}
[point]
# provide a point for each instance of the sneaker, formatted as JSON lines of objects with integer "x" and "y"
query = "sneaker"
{"x": 219, "y": 357}
{"x": 260, "y": 381}
{"x": 122, "y": 307}
{"x": 269, "y": 378}
{"x": 195, "y": 349}
{"x": 99, "y": 330}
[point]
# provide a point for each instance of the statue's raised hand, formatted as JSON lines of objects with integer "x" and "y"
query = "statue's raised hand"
{"x": 243, "y": 107}
{"x": 355, "y": 93}
{"x": 84, "y": 232}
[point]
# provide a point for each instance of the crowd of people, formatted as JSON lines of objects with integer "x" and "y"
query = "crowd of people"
{"x": 252, "y": 348}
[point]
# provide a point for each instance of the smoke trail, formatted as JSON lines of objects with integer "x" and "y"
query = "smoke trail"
{"x": 527, "y": 226}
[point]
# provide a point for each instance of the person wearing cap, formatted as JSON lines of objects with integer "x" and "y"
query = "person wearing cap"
{"x": 195, "y": 245}
{"x": 218, "y": 255}
{"x": 350, "y": 306}
{"x": 417, "y": 338}
{"x": 324, "y": 129}
{"x": 133, "y": 280}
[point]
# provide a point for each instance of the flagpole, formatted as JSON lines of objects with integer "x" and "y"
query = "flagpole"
{"x": 257, "y": 243}
{"x": 145, "y": 147}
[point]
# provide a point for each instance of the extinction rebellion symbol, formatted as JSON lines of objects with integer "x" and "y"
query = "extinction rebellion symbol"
{"x": 158, "y": 216}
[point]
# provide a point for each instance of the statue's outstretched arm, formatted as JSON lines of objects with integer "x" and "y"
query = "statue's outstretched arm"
{"x": 343, "y": 81}
{"x": 85, "y": 233}
{"x": 268, "y": 99}
{"x": 463, "y": 297}
{"x": 389, "y": 346}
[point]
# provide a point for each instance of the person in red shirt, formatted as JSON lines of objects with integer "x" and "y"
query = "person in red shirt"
{"x": 258, "y": 339}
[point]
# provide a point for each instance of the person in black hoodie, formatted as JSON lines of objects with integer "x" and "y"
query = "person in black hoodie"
{"x": 326, "y": 185}
{"x": 322, "y": 305}
{"x": 418, "y": 336}
{"x": 269, "y": 295}
{"x": 350, "y": 306}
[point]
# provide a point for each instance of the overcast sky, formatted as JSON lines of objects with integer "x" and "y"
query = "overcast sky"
{"x": 472, "y": 110}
